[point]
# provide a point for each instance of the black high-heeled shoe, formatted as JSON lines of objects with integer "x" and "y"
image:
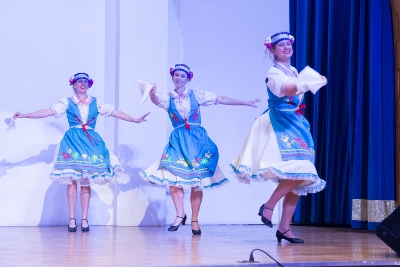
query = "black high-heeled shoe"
{"x": 85, "y": 229}
{"x": 196, "y": 232}
{"x": 173, "y": 228}
{"x": 72, "y": 229}
{"x": 263, "y": 219}
{"x": 281, "y": 236}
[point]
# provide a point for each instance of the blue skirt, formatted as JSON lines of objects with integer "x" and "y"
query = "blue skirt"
{"x": 190, "y": 159}
{"x": 190, "y": 153}
{"x": 83, "y": 156}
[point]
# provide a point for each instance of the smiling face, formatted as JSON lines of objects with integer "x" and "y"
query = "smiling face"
{"x": 283, "y": 51}
{"x": 81, "y": 86}
{"x": 180, "y": 79}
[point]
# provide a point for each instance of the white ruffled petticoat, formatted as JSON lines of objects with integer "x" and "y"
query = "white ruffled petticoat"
{"x": 260, "y": 160}
{"x": 164, "y": 177}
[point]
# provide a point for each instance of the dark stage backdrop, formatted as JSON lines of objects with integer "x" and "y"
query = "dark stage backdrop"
{"x": 353, "y": 117}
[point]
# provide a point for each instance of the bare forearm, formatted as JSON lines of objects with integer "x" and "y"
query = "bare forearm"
{"x": 155, "y": 99}
{"x": 230, "y": 101}
{"x": 121, "y": 115}
{"x": 34, "y": 115}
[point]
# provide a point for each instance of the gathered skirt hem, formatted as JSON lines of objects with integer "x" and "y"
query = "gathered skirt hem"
{"x": 312, "y": 183}
{"x": 85, "y": 178}
{"x": 157, "y": 175}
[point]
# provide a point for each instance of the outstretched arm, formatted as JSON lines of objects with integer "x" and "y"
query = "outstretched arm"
{"x": 153, "y": 97}
{"x": 230, "y": 101}
{"x": 34, "y": 115}
{"x": 291, "y": 89}
{"x": 121, "y": 115}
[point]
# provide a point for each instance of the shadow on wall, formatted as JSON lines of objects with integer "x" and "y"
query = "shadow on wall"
{"x": 151, "y": 218}
{"x": 46, "y": 156}
{"x": 3, "y": 167}
{"x": 55, "y": 208}
{"x": 155, "y": 207}
{"x": 55, "y": 203}
{"x": 50, "y": 215}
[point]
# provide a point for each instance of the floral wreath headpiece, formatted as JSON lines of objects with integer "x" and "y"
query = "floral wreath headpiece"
{"x": 78, "y": 76}
{"x": 183, "y": 68}
{"x": 272, "y": 40}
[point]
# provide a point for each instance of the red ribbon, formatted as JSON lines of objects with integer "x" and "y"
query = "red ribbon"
{"x": 300, "y": 109}
{"x": 84, "y": 129}
{"x": 186, "y": 124}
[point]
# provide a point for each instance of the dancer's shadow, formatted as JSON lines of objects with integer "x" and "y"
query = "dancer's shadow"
{"x": 128, "y": 153}
{"x": 45, "y": 155}
{"x": 55, "y": 204}
{"x": 3, "y": 168}
{"x": 150, "y": 218}
{"x": 55, "y": 207}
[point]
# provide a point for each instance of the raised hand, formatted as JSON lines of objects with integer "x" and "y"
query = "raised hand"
{"x": 18, "y": 115}
{"x": 250, "y": 103}
{"x": 141, "y": 119}
{"x": 43, "y": 113}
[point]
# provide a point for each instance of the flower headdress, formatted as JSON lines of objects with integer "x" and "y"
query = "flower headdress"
{"x": 272, "y": 40}
{"x": 183, "y": 68}
{"x": 79, "y": 76}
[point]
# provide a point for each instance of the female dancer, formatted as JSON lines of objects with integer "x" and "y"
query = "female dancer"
{"x": 279, "y": 146}
{"x": 190, "y": 158}
{"x": 83, "y": 158}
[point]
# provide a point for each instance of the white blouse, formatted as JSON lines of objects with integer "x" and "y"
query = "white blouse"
{"x": 59, "y": 109}
{"x": 182, "y": 101}
{"x": 307, "y": 80}
{"x": 277, "y": 79}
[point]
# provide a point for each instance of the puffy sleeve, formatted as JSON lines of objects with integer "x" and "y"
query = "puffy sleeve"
{"x": 276, "y": 80}
{"x": 105, "y": 109}
{"x": 164, "y": 100}
{"x": 206, "y": 98}
{"x": 309, "y": 80}
{"x": 59, "y": 109}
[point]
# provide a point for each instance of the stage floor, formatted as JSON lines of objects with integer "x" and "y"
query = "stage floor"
{"x": 219, "y": 245}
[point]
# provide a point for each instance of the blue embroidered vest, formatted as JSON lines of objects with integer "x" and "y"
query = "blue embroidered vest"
{"x": 194, "y": 115}
{"x": 74, "y": 116}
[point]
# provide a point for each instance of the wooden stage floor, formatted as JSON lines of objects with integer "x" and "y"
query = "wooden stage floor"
{"x": 219, "y": 245}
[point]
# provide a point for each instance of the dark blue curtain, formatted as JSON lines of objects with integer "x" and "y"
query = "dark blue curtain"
{"x": 353, "y": 117}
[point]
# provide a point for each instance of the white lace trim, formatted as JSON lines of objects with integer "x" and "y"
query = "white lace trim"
{"x": 244, "y": 174}
{"x": 94, "y": 178}
{"x": 197, "y": 184}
